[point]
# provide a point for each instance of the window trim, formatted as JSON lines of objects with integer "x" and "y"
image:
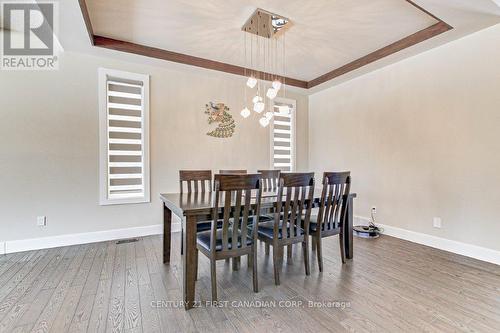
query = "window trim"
{"x": 293, "y": 134}
{"x": 103, "y": 74}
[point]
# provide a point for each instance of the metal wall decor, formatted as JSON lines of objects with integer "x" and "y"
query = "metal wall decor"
{"x": 219, "y": 113}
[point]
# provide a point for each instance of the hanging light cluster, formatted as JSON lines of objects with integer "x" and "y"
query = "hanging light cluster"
{"x": 263, "y": 49}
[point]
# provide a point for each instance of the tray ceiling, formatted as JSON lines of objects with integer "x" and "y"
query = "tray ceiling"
{"x": 326, "y": 34}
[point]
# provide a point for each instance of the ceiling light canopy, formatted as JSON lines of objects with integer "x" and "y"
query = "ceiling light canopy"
{"x": 266, "y": 24}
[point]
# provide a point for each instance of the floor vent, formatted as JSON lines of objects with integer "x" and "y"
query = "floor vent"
{"x": 130, "y": 240}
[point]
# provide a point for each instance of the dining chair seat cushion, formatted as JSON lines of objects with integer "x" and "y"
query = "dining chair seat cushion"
{"x": 203, "y": 239}
{"x": 207, "y": 225}
{"x": 267, "y": 230}
{"x": 313, "y": 223}
{"x": 266, "y": 218}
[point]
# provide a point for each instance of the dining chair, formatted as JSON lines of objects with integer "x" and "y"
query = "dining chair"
{"x": 270, "y": 182}
{"x": 238, "y": 234}
{"x": 236, "y": 261}
{"x": 331, "y": 216}
{"x": 293, "y": 210}
{"x": 270, "y": 179}
{"x": 232, "y": 172}
{"x": 196, "y": 182}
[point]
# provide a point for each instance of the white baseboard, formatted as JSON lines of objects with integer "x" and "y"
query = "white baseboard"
{"x": 82, "y": 238}
{"x": 468, "y": 250}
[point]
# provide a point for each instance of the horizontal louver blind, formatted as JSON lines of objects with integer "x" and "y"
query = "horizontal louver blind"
{"x": 125, "y": 139}
{"x": 282, "y": 137}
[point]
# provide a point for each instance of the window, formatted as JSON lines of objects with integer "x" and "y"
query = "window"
{"x": 283, "y": 135}
{"x": 123, "y": 137}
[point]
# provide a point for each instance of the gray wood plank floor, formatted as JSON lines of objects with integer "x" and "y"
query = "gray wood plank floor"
{"x": 391, "y": 286}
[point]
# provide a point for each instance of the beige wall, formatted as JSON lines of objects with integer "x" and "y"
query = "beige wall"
{"x": 49, "y": 143}
{"x": 422, "y": 139}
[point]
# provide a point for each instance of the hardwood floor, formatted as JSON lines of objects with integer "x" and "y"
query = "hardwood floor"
{"x": 391, "y": 286}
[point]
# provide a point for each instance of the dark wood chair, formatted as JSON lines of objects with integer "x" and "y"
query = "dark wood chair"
{"x": 270, "y": 182}
{"x": 238, "y": 234}
{"x": 236, "y": 261}
{"x": 270, "y": 179}
{"x": 291, "y": 218}
{"x": 195, "y": 182}
{"x": 332, "y": 212}
{"x": 232, "y": 172}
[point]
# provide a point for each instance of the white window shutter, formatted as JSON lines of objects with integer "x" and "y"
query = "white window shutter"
{"x": 124, "y": 137}
{"x": 283, "y": 136}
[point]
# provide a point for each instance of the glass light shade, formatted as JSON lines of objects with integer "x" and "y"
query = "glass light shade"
{"x": 276, "y": 85}
{"x": 271, "y": 93}
{"x": 245, "y": 112}
{"x": 256, "y": 99}
{"x": 251, "y": 82}
{"x": 263, "y": 122}
{"x": 269, "y": 115}
{"x": 284, "y": 109}
{"x": 259, "y": 107}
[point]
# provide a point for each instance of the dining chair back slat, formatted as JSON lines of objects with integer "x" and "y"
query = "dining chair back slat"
{"x": 245, "y": 219}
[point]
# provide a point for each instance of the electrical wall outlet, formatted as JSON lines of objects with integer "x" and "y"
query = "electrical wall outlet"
{"x": 41, "y": 221}
{"x": 374, "y": 210}
{"x": 436, "y": 222}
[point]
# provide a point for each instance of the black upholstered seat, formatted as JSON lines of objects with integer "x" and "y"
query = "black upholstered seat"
{"x": 266, "y": 229}
{"x": 204, "y": 226}
{"x": 313, "y": 223}
{"x": 204, "y": 240}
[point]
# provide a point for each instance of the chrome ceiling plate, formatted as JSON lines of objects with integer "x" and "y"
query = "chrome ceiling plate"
{"x": 266, "y": 24}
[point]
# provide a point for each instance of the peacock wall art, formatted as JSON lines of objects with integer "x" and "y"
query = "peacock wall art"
{"x": 219, "y": 113}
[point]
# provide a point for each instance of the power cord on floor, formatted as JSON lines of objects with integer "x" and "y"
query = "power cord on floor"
{"x": 368, "y": 231}
{"x": 373, "y": 226}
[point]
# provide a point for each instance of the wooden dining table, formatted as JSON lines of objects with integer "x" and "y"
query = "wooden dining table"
{"x": 196, "y": 207}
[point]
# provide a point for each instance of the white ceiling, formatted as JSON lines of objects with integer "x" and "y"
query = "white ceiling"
{"x": 326, "y": 33}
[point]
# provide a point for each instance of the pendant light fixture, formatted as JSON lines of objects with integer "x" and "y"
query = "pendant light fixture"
{"x": 263, "y": 63}
{"x": 251, "y": 82}
{"x": 245, "y": 113}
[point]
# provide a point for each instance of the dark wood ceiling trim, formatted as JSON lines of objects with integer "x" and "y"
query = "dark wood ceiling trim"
{"x": 401, "y": 44}
{"x": 86, "y": 19}
{"x": 153, "y": 52}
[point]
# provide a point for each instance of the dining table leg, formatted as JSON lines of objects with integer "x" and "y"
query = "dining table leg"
{"x": 349, "y": 231}
{"x": 189, "y": 261}
{"x": 167, "y": 233}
